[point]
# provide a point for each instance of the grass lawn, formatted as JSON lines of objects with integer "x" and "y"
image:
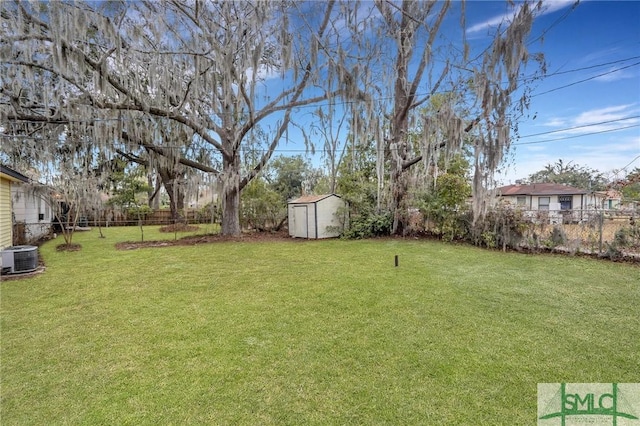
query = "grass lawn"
{"x": 307, "y": 332}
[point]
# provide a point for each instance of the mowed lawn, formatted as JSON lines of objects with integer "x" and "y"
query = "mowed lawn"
{"x": 308, "y": 332}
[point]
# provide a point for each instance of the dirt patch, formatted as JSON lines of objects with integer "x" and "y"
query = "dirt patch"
{"x": 68, "y": 247}
{"x": 207, "y": 239}
{"x": 179, "y": 227}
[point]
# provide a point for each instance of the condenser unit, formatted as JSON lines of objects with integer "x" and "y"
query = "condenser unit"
{"x": 19, "y": 259}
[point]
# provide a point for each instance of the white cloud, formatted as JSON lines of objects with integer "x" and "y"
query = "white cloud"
{"x": 494, "y": 22}
{"x": 603, "y": 114}
{"x": 614, "y": 75}
{"x": 597, "y": 120}
{"x": 263, "y": 73}
{"x": 555, "y": 122}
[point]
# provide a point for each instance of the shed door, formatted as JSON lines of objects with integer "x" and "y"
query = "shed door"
{"x": 300, "y": 222}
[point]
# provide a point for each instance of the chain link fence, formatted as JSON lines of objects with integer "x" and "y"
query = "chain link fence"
{"x": 602, "y": 232}
{"x": 613, "y": 234}
{"x": 192, "y": 221}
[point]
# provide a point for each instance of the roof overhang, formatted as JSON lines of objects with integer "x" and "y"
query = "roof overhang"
{"x": 12, "y": 175}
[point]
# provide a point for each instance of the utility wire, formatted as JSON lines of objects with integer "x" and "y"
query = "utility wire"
{"x": 386, "y": 98}
{"x": 619, "y": 61}
{"x": 520, "y": 137}
{"x": 580, "y": 127}
{"x": 577, "y": 136}
{"x": 259, "y": 150}
{"x": 630, "y": 162}
{"x": 586, "y": 79}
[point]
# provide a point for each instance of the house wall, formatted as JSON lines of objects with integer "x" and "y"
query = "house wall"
{"x": 34, "y": 211}
{"x": 579, "y": 201}
{"x": 611, "y": 203}
{"x": 6, "y": 226}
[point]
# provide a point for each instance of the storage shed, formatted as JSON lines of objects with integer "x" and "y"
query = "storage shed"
{"x": 311, "y": 215}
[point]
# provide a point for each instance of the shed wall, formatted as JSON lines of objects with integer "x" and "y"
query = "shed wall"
{"x": 327, "y": 209}
{"x": 318, "y": 216}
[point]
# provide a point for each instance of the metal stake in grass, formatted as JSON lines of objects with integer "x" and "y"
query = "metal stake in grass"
{"x": 396, "y": 260}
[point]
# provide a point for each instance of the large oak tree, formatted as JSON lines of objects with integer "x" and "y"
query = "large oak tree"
{"x": 220, "y": 69}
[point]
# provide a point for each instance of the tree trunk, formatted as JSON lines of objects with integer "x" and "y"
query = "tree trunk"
{"x": 399, "y": 206}
{"x": 231, "y": 196}
{"x": 154, "y": 198}
{"x": 176, "y": 196}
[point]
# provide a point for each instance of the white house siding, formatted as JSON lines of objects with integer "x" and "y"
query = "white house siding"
{"x": 578, "y": 201}
{"x": 34, "y": 211}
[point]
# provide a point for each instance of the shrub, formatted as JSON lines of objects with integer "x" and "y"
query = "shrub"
{"x": 139, "y": 211}
{"x": 369, "y": 225}
{"x": 502, "y": 227}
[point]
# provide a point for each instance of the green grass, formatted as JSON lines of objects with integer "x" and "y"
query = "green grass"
{"x": 307, "y": 332}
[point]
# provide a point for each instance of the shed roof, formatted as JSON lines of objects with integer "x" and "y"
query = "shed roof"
{"x": 305, "y": 199}
{"x": 540, "y": 189}
{"x": 12, "y": 174}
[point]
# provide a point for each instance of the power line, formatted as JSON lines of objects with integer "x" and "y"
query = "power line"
{"x": 619, "y": 61}
{"x": 631, "y": 117}
{"x": 382, "y": 98}
{"x": 580, "y": 127}
{"x": 630, "y": 162}
{"x": 256, "y": 150}
{"x": 577, "y": 136}
{"x": 586, "y": 79}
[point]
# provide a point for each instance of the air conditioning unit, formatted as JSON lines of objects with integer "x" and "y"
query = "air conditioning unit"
{"x": 19, "y": 259}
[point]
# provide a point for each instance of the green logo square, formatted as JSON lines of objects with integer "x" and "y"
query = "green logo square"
{"x": 573, "y": 404}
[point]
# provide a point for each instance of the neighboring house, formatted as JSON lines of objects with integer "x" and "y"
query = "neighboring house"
{"x": 611, "y": 199}
{"x": 8, "y": 177}
{"x": 557, "y": 201}
{"x": 33, "y": 215}
{"x": 315, "y": 216}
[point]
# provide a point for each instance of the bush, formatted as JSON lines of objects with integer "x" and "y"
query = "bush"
{"x": 558, "y": 237}
{"x": 209, "y": 213}
{"x": 369, "y": 225}
{"x": 624, "y": 238}
{"x": 139, "y": 212}
{"x": 502, "y": 227}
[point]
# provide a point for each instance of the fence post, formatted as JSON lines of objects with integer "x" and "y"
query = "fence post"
{"x": 600, "y": 225}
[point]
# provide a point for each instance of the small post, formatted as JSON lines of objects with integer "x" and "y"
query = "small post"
{"x": 600, "y": 223}
{"x": 396, "y": 260}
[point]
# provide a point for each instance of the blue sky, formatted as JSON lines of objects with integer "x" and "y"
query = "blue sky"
{"x": 586, "y": 110}
{"x": 599, "y": 42}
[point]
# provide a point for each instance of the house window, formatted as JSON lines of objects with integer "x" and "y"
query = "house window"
{"x": 521, "y": 201}
{"x": 543, "y": 203}
{"x": 566, "y": 202}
